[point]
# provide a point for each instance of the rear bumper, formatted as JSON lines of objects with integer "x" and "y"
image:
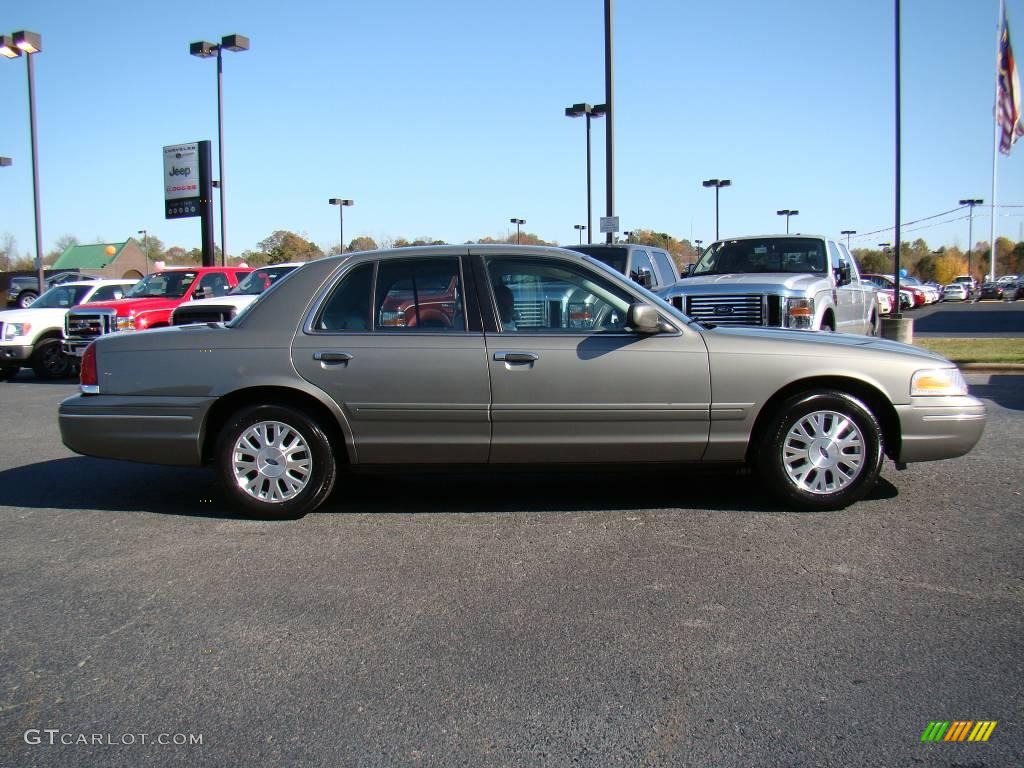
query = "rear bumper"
{"x": 939, "y": 428}
{"x": 155, "y": 430}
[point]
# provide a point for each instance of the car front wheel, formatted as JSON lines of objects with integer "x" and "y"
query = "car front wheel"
{"x": 49, "y": 362}
{"x": 275, "y": 462}
{"x": 822, "y": 450}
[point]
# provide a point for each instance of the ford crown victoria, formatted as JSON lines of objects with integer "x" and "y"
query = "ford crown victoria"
{"x": 498, "y": 354}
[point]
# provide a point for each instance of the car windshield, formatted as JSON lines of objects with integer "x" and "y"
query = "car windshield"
{"x": 164, "y": 285}
{"x": 770, "y": 254}
{"x": 910, "y": 280}
{"x": 259, "y": 280}
{"x": 61, "y": 297}
{"x": 613, "y": 257}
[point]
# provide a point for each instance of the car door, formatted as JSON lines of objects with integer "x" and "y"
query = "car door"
{"x": 393, "y": 344}
{"x": 850, "y": 311}
{"x": 570, "y": 384}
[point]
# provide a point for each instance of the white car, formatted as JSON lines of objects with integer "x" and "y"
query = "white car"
{"x": 220, "y": 309}
{"x": 955, "y": 292}
{"x": 32, "y": 336}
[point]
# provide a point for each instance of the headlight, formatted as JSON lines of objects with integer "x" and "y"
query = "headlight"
{"x": 799, "y": 313}
{"x": 939, "y": 382}
{"x": 16, "y": 329}
{"x": 126, "y": 323}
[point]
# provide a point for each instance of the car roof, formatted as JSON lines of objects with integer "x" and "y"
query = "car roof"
{"x": 791, "y": 236}
{"x": 99, "y": 283}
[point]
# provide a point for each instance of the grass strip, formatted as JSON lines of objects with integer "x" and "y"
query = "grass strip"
{"x": 991, "y": 350}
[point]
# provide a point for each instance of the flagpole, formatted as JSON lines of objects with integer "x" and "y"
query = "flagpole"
{"x": 995, "y": 145}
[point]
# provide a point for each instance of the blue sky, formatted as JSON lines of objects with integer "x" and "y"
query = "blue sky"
{"x": 445, "y": 119}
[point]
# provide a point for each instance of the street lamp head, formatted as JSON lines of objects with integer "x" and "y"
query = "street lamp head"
{"x": 517, "y": 221}
{"x": 4, "y": 162}
{"x": 574, "y": 226}
{"x": 599, "y": 110}
{"x": 340, "y": 201}
{"x": 203, "y": 49}
{"x": 235, "y": 42}
{"x": 782, "y": 213}
{"x": 29, "y": 42}
{"x": 972, "y": 201}
{"x": 7, "y": 47}
{"x": 578, "y": 110}
{"x": 710, "y": 182}
{"x": 848, "y": 232}
{"x": 725, "y": 183}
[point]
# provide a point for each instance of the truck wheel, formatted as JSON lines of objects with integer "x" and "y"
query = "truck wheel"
{"x": 27, "y": 298}
{"x": 49, "y": 362}
{"x": 875, "y": 327}
{"x": 822, "y": 450}
{"x": 275, "y": 461}
{"x": 8, "y": 372}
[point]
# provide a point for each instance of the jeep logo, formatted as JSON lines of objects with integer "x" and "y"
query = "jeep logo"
{"x": 722, "y": 309}
{"x": 176, "y": 171}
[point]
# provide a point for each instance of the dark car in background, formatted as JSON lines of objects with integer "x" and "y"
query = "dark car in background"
{"x": 23, "y": 290}
{"x": 1005, "y": 290}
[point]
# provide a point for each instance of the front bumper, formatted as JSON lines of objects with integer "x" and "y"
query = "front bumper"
{"x": 939, "y": 428}
{"x": 155, "y": 430}
{"x": 75, "y": 347}
{"x": 15, "y": 353}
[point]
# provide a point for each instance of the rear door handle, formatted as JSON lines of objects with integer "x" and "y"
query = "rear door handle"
{"x": 332, "y": 357}
{"x": 516, "y": 357}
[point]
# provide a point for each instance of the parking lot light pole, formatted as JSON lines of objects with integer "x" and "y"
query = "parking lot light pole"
{"x": 717, "y": 184}
{"x": 589, "y": 112}
{"x": 12, "y": 46}
{"x": 145, "y": 246}
{"x": 517, "y": 222}
{"x": 787, "y": 213}
{"x": 205, "y": 50}
{"x": 579, "y": 228}
{"x": 848, "y": 232}
{"x": 970, "y": 203}
{"x": 342, "y": 204}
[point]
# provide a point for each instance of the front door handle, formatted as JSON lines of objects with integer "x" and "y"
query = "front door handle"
{"x": 516, "y": 357}
{"x": 332, "y": 357}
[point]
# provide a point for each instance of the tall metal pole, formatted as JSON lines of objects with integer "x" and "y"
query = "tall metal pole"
{"x": 970, "y": 235}
{"x": 341, "y": 226}
{"x": 995, "y": 141}
{"x": 220, "y": 154}
{"x": 896, "y": 265}
{"x": 610, "y": 115}
{"x": 35, "y": 171}
{"x": 590, "y": 218}
{"x": 716, "y": 210}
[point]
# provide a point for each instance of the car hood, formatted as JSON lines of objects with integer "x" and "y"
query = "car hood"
{"x": 760, "y": 282}
{"x": 42, "y": 315}
{"x": 125, "y": 307}
{"x": 813, "y": 342}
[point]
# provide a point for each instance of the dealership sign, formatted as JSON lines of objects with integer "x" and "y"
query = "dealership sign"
{"x": 181, "y": 181}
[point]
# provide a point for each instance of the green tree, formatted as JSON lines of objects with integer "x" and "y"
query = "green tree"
{"x": 152, "y": 247}
{"x": 282, "y": 246}
{"x": 872, "y": 261}
{"x": 362, "y": 243}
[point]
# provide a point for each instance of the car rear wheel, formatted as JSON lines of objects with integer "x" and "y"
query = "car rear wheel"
{"x": 49, "y": 362}
{"x": 27, "y": 298}
{"x": 822, "y": 450}
{"x": 275, "y": 462}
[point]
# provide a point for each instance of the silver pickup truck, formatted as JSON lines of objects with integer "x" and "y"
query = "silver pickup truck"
{"x": 784, "y": 281}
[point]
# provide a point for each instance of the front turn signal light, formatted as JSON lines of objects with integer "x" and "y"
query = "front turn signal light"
{"x": 939, "y": 382}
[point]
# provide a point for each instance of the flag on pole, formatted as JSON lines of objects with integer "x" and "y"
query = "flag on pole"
{"x": 1008, "y": 107}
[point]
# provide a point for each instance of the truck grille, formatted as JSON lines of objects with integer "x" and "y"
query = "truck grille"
{"x": 736, "y": 309}
{"x": 185, "y": 315}
{"x": 89, "y": 325}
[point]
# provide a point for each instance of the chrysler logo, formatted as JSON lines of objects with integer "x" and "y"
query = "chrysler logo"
{"x": 723, "y": 310}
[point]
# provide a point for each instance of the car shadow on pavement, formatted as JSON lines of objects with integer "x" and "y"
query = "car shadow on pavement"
{"x": 1004, "y": 390}
{"x": 83, "y": 483}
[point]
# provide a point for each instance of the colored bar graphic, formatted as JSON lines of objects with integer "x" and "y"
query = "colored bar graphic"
{"x": 958, "y": 730}
{"x": 935, "y": 731}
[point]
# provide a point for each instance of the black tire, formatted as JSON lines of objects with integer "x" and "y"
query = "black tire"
{"x": 300, "y": 488}
{"x": 876, "y": 325}
{"x": 26, "y": 299}
{"x": 8, "y": 372}
{"x": 50, "y": 362}
{"x": 829, "y": 325}
{"x": 836, "y": 477}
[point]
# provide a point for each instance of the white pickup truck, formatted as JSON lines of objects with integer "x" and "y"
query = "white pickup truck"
{"x": 33, "y": 336}
{"x": 804, "y": 282}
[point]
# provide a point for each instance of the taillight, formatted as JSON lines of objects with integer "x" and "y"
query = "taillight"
{"x": 88, "y": 379}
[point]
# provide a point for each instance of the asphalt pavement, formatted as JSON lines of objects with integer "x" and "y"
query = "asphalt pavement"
{"x": 507, "y": 619}
{"x": 969, "y": 319}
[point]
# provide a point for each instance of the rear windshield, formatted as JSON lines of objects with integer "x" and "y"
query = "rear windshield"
{"x": 776, "y": 254}
{"x": 165, "y": 285}
{"x": 258, "y": 281}
{"x": 62, "y": 297}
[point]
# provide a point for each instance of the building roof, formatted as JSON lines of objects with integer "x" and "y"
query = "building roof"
{"x": 93, "y": 256}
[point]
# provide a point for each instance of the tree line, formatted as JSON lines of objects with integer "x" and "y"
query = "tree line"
{"x": 941, "y": 265}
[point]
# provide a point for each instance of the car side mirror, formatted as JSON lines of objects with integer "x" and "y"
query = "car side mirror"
{"x": 199, "y": 294}
{"x": 643, "y": 318}
{"x": 842, "y": 274}
{"x": 645, "y": 278}
{"x": 689, "y": 270}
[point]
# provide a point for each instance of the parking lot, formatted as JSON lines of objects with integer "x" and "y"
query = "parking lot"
{"x": 656, "y": 618}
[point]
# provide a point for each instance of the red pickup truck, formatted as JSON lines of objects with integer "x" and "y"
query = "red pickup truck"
{"x": 148, "y": 304}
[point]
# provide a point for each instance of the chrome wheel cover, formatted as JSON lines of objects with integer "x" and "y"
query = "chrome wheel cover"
{"x": 823, "y": 452}
{"x": 271, "y": 462}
